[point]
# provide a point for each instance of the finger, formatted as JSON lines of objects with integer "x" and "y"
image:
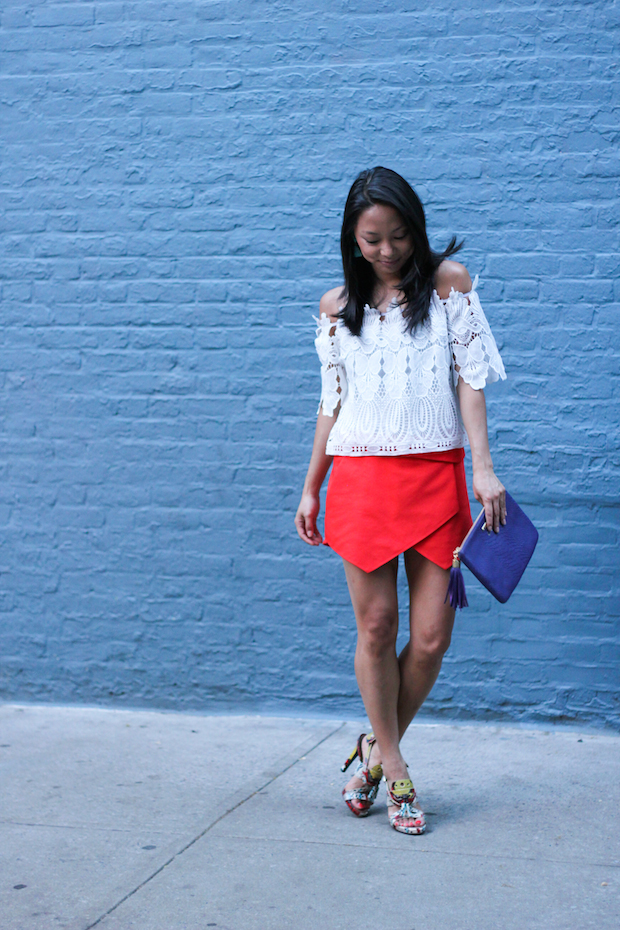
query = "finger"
{"x": 300, "y": 525}
{"x": 306, "y": 528}
{"x": 493, "y": 506}
{"x": 488, "y": 516}
{"x": 312, "y": 531}
{"x": 502, "y": 507}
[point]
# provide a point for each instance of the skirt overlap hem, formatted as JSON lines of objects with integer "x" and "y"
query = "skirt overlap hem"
{"x": 378, "y": 507}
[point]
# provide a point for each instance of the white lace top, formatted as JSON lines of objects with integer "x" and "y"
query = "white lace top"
{"x": 397, "y": 390}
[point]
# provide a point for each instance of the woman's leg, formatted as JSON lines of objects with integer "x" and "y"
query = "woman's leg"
{"x": 375, "y": 604}
{"x": 430, "y": 623}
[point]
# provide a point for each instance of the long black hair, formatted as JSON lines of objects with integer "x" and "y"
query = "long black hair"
{"x": 383, "y": 186}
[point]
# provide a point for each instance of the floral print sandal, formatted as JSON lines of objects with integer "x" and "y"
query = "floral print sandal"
{"x": 407, "y": 819}
{"x": 364, "y": 796}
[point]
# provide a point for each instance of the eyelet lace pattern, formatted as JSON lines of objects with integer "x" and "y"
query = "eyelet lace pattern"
{"x": 396, "y": 389}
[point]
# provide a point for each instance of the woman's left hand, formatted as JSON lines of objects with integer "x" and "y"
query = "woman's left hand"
{"x": 491, "y": 493}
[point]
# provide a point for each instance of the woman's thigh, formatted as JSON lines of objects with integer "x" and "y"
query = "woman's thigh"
{"x": 373, "y": 595}
{"x": 430, "y": 618}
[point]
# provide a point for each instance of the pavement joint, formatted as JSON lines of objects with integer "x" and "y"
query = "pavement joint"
{"x": 410, "y": 848}
{"x": 207, "y": 829}
{"x": 122, "y": 848}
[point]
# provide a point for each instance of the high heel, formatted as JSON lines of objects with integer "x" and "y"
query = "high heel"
{"x": 407, "y": 819}
{"x": 371, "y": 777}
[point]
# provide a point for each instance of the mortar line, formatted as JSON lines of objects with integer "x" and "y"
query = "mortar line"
{"x": 219, "y": 819}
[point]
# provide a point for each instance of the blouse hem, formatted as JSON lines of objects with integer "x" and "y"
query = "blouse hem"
{"x": 359, "y": 451}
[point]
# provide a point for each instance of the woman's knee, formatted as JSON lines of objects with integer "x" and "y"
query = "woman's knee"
{"x": 377, "y": 629}
{"x": 430, "y": 649}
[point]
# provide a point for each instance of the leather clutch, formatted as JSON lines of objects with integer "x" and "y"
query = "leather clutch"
{"x": 498, "y": 560}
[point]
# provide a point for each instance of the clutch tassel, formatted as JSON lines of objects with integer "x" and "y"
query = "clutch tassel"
{"x": 456, "y": 585}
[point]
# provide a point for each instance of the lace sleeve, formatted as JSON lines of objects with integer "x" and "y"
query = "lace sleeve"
{"x": 475, "y": 353}
{"x": 333, "y": 377}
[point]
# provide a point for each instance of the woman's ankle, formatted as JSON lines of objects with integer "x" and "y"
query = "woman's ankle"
{"x": 391, "y": 761}
{"x": 395, "y": 771}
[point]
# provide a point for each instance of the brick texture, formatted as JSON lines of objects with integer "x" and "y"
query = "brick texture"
{"x": 172, "y": 179}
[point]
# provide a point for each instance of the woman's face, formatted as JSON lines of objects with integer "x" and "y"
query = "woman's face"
{"x": 383, "y": 239}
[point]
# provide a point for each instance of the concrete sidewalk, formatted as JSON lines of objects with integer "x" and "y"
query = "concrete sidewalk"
{"x": 161, "y": 821}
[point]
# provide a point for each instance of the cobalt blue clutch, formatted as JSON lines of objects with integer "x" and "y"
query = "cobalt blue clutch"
{"x": 496, "y": 559}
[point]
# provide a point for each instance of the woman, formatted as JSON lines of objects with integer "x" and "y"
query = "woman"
{"x": 405, "y": 351}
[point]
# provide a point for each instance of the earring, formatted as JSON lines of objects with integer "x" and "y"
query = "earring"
{"x": 357, "y": 252}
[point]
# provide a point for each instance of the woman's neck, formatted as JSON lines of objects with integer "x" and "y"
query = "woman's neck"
{"x": 385, "y": 290}
{"x": 387, "y": 278}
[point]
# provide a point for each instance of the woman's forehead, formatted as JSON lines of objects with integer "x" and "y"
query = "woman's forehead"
{"x": 380, "y": 216}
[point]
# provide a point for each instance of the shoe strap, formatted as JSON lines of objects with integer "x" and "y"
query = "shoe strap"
{"x": 375, "y": 774}
{"x": 371, "y": 776}
{"x": 358, "y": 752}
{"x": 359, "y": 794}
{"x": 406, "y": 810}
{"x": 401, "y": 792}
{"x": 371, "y": 740}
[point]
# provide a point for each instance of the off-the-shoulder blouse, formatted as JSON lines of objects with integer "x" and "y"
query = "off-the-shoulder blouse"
{"x": 397, "y": 390}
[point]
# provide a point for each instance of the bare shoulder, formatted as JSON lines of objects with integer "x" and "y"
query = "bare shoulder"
{"x": 331, "y": 303}
{"x": 452, "y": 275}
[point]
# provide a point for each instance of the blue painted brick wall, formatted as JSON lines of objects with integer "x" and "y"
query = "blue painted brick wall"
{"x": 172, "y": 179}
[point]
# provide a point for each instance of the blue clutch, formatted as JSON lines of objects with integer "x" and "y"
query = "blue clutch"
{"x": 496, "y": 559}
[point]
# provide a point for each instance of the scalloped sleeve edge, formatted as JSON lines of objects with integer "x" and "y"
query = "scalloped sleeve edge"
{"x": 476, "y": 358}
{"x": 333, "y": 381}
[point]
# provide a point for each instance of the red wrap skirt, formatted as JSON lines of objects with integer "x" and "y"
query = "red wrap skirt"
{"x": 378, "y": 506}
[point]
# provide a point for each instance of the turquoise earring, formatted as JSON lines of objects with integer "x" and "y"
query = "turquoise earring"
{"x": 357, "y": 252}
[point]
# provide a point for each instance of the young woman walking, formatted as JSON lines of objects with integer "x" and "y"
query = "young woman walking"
{"x": 405, "y": 350}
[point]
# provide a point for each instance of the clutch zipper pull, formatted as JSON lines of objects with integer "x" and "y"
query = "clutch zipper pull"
{"x": 456, "y": 586}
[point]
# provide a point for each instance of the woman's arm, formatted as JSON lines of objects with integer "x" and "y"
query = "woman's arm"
{"x": 308, "y": 510}
{"x": 488, "y": 489}
{"x": 309, "y": 505}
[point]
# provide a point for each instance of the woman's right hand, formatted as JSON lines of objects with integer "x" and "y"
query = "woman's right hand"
{"x": 305, "y": 518}
{"x": 310, "y": 504}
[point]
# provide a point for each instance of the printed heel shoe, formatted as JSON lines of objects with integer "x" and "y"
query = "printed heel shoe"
{"x": 371, "y": 777}
{"x": 407, "y": 819}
